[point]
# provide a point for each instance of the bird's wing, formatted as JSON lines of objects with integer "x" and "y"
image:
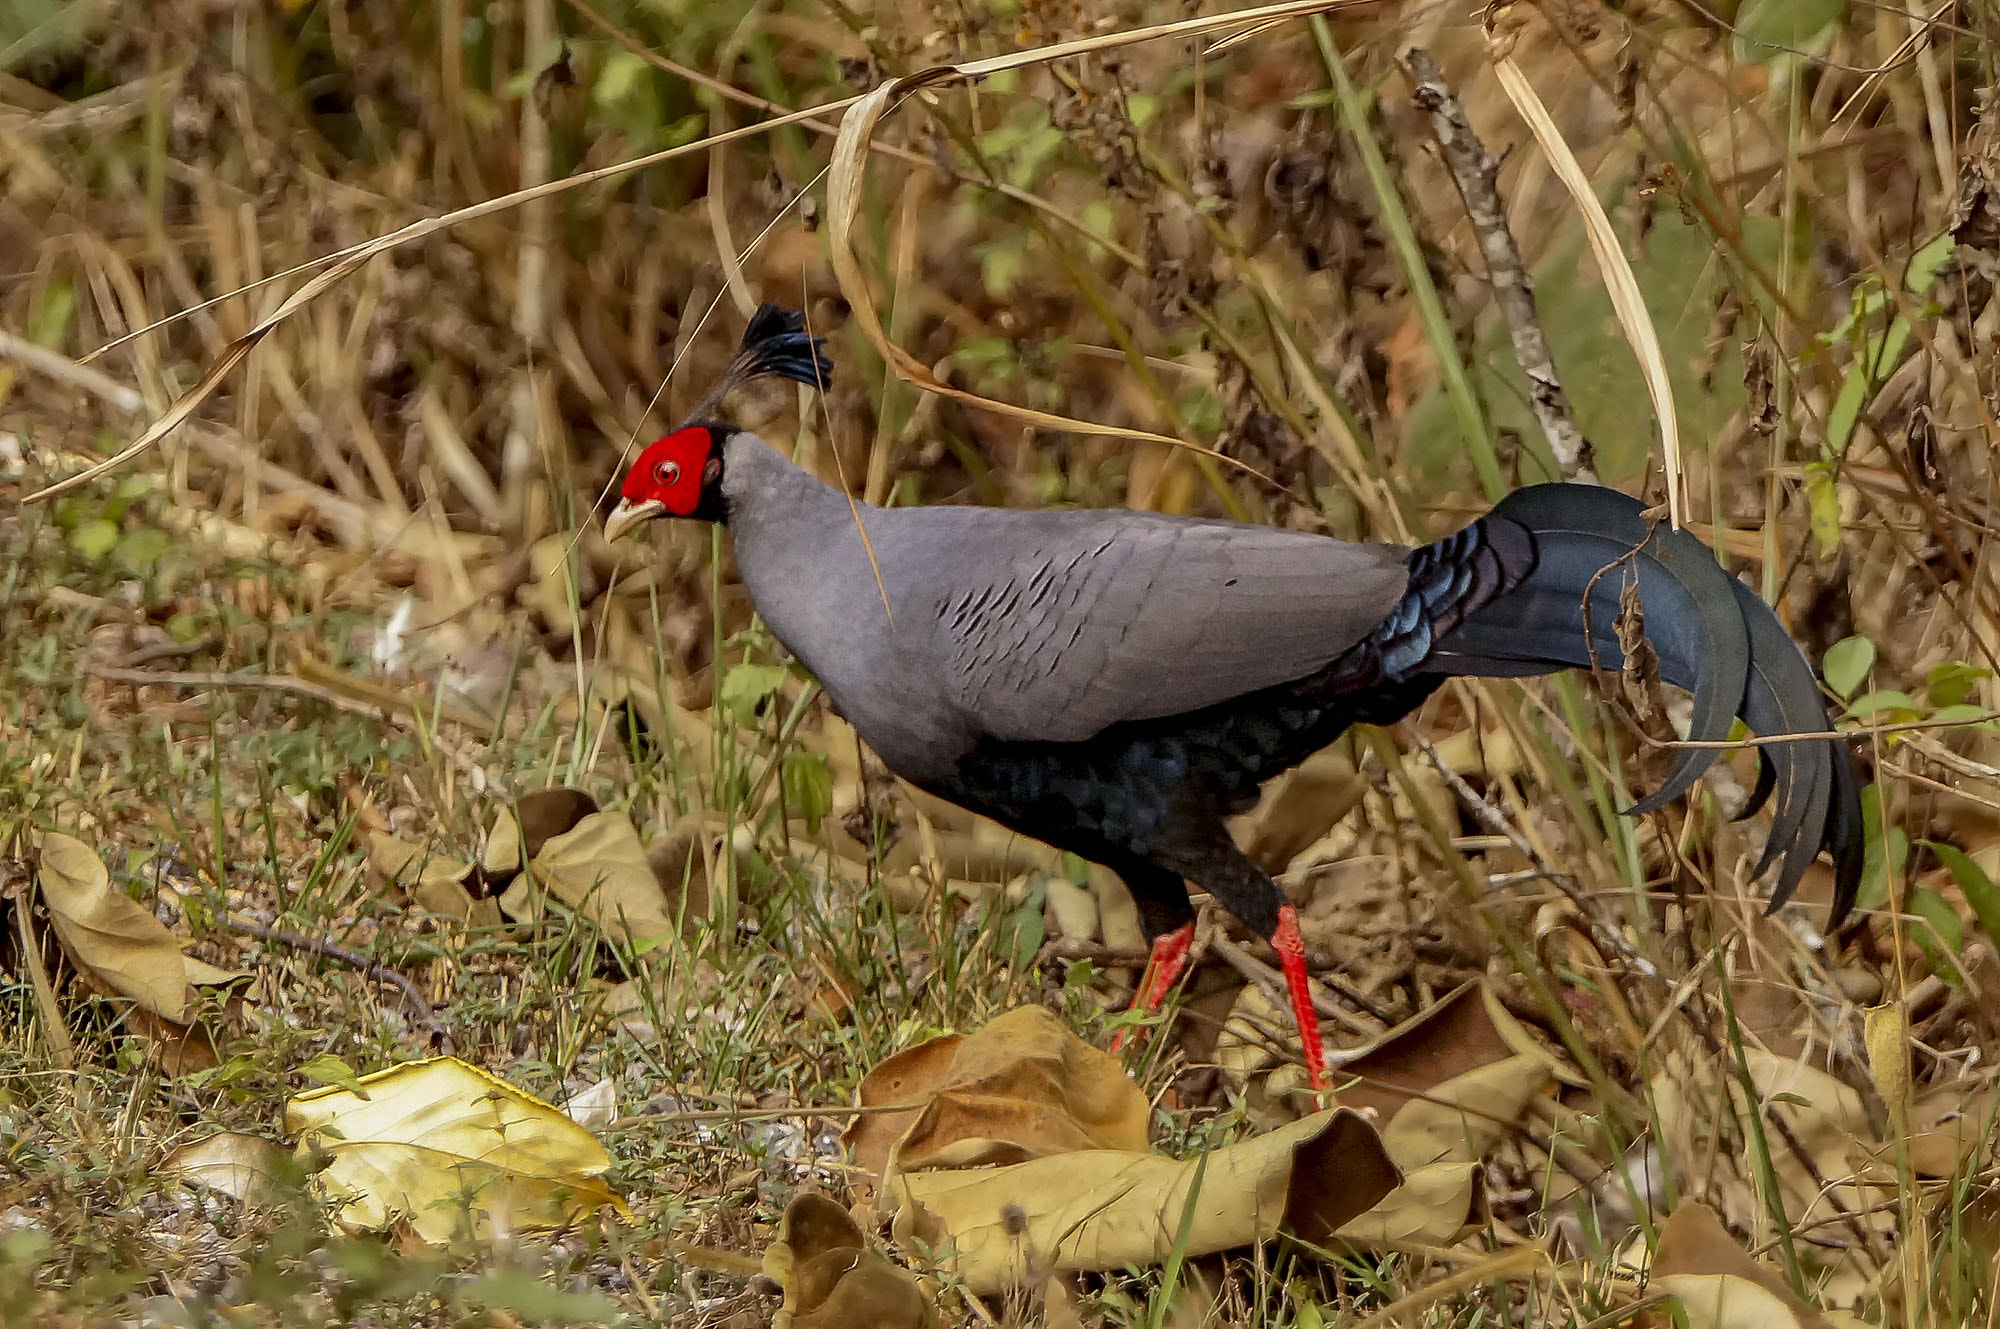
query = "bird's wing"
{"x": 1070, "y": 626}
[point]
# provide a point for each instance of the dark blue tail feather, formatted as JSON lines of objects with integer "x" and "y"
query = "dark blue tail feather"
{"x": 1713, "y": 636}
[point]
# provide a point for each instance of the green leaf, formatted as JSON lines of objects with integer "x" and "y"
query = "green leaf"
{"x": 1977, "y": 887}
{"x": 144, "y": 547}
{"x": 1885, "y": 852}
{"x": 1963, "y": 714}
{"x": 1927, "y": 262}
{"x": 53, "y": 314}
{"x": 1886, "y": 705}
{"x": 1023, "y": 929}
{"x": 1939, "y": 934}
{"x": 1823, "y": 496}
{"x": 746, "y": 687}
{"x": 1847, "y": 664}
{"x": 1202, "y": 410}
{"x": 808, "y": 784}
{"x": 1000, "y": 268}
{"x": 329, "y": 1069}
{"x": 620, "y": 73}
{"x": 1768, "y": 30}
{"x": 1873, "y": 360}
{"x": 1952, "y": 682}
{"x": 527, "y": 1299}
{"x": 94, "y": 539}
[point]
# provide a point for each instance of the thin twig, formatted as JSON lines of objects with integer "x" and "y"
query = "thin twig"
{"x": 1477, "y": 175}
{"x": 1608, "y": 943}
{"x": 1273, "y": 983}
{"x": 381, "y": 973}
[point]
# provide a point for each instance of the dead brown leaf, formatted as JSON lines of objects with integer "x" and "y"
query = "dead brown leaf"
{"x": 113, "y": 939}
{"x": 1105, "y": 1209}
{"x": 599, "y": 869}
{"x": 439, "y": 885}
{"x": 830, "y": 1277}
{"x": 1717, "y": 1282}
{"x": 1023, "y": 1087}
{"x": 1466, "y": 1029}
{"x": 1447, "y": 1084}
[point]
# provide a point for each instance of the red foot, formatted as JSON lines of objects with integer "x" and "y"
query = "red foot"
{"x": 1170, "y": 954}
{"x": 1291, "y": 948}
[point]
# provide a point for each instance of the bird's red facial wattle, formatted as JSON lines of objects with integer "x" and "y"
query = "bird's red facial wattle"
{"x": 673, "y": 477}
{"x": 672, "y": 471}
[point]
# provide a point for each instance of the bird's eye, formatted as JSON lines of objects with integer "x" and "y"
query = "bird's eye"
{"x": 668, "y": 472}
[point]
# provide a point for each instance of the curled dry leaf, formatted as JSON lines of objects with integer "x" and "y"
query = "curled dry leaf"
{"x": 115, "y": 940}
{"x": 1107, "y": 1209}
{"x": 1300, "y": 807}
{"x": 1023, "y": 1087}
{"x": 595, "y": 1107}
{"x": 1439, "y": 1141}
{"x": 1466, "y": 1029}
{"x": 454, "y": 1151}
{"x": 590, "y": 860}
{"x": 244, "y": 1166}
{"x": 1716, "y": 1281}
{"x": 1446, "y": 1085}
{"x": 543, "y": 815}
{"x": 439, "y": 885}
{"x": 599, "y": 869}
{"x": 830, "y": 1277}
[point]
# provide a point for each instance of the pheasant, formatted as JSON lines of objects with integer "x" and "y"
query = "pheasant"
{"x": 1118, "y": 683}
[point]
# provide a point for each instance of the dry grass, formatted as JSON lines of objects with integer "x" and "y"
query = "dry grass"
{"x": 1250, "y": 247}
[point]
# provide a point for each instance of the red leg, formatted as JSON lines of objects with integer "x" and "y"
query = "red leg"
{"x": 1291, "y": 948}
{"x": 1170, "y": 954}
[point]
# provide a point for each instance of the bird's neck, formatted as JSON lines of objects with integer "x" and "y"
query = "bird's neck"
{"x": 795, "y": 536}
{"x": 759, "y": 486}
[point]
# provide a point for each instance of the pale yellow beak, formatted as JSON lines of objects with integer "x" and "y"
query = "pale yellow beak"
{"x": 628, "y": 515}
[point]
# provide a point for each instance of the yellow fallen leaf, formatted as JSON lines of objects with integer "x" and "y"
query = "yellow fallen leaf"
{"x": 452, "y": 1149}
{"x": 1106, "y": 1209}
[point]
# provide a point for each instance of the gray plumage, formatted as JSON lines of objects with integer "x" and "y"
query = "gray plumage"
{"x": 1035, "y": 626}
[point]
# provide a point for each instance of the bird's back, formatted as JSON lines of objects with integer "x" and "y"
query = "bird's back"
{"x": 952, "y": 625}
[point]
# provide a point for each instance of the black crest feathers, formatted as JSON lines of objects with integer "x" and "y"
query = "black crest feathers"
{"x": 775, "y": 345}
